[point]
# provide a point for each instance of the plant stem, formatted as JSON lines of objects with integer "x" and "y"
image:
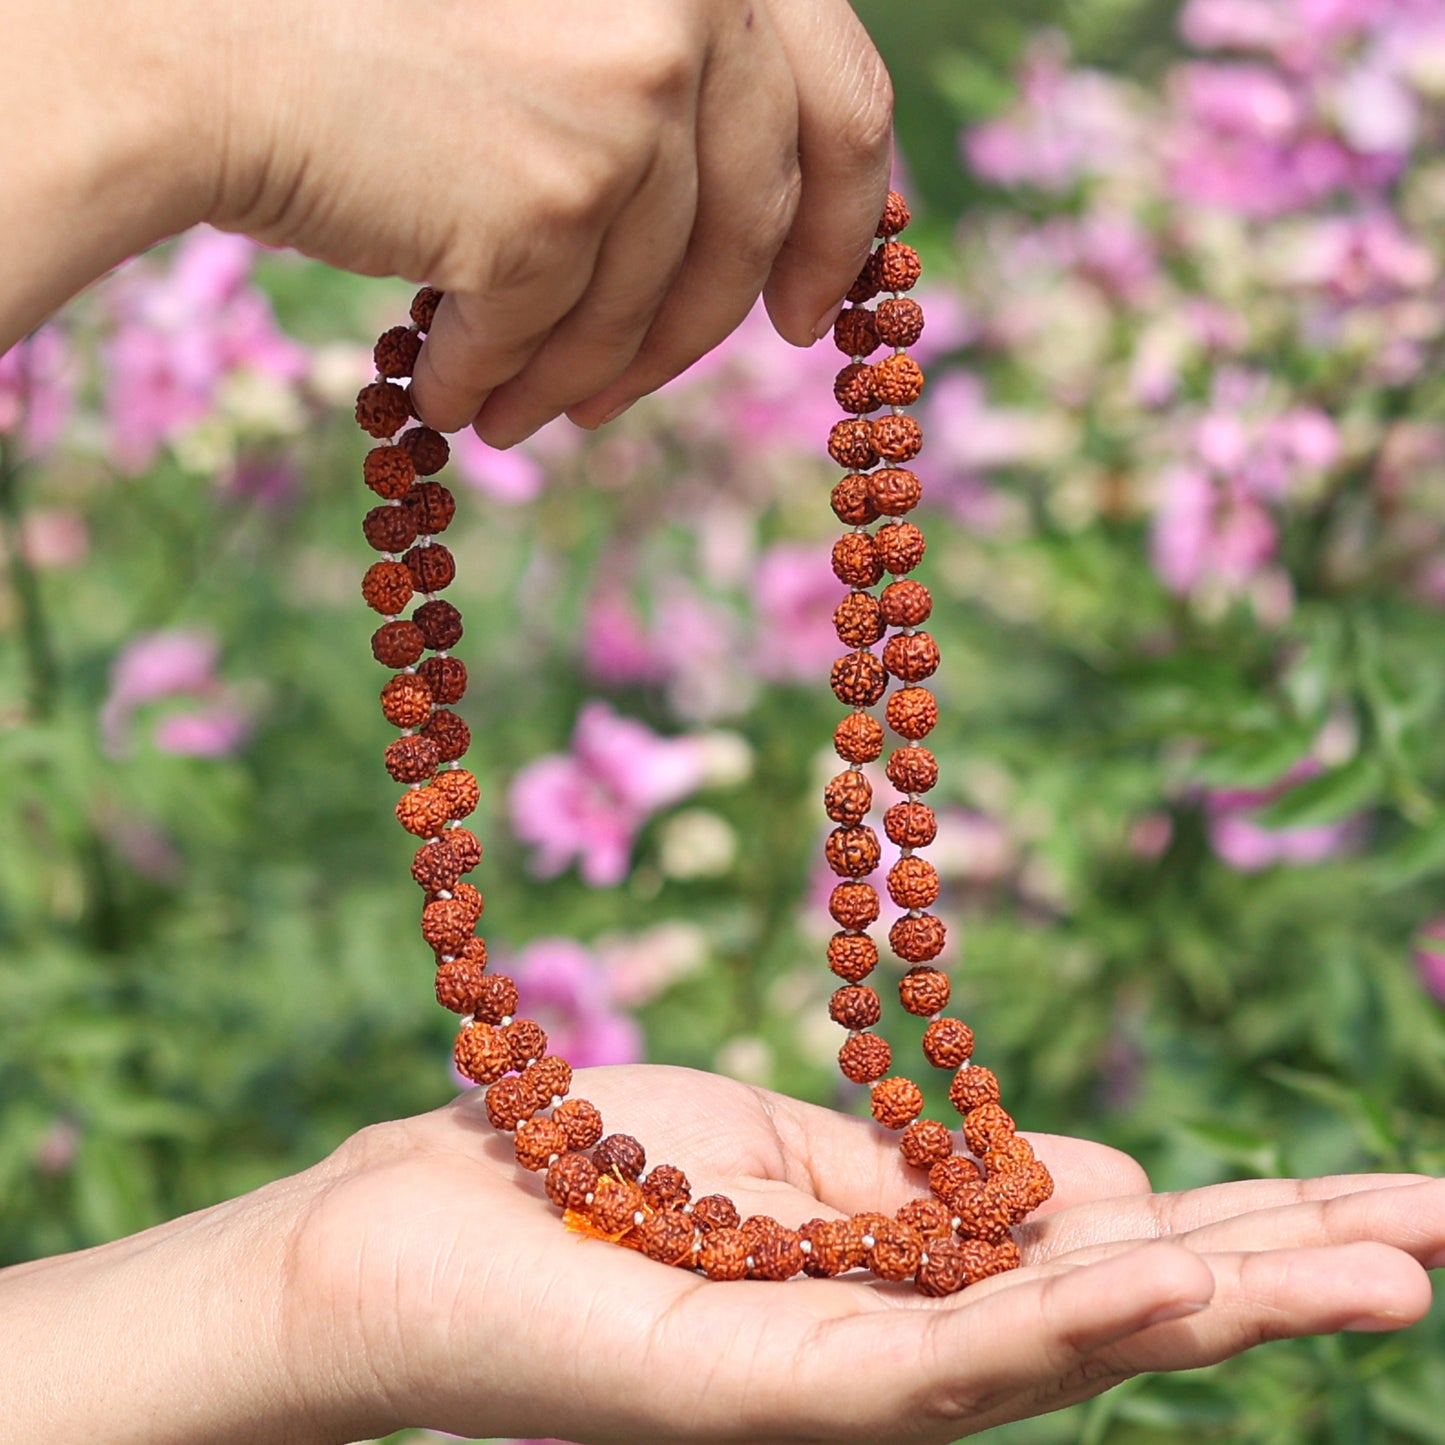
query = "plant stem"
{"x": 40, "y": 666}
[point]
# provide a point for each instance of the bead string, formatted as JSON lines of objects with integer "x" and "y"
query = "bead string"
{"x": 957, "y": 1234}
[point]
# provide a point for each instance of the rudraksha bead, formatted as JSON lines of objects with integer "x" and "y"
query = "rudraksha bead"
{"x": 724, "y": 1254}
{"x": 859, "y": 679}
{"x": 910, "y": 825}
{"x": 972, "y": 1087}
{"x": 570, "y": 1180}
{"x": 918, "y": 940}
{"x": 923, "y": 991}
{"x": 828, "y": 1253}
{"x": 667, "y": 1237}
{"x": 449, "y": 732}
{"x": 389, "y": 471}
{"x": 900, "y": 545}
{"x": 864, "y": 1058}
{"x": 944, "y": 1272}
{"x": 581, "y": 1121}
{"x": 470, "y": 898}
{"x": 865, "y": 287}
{"x": 616, "y": 1205}
{"x": 852, "y": 956}
{"x": 853, "y": 388}
{"x": 896, "y": 216}
{"x": 458, "y": 985}
{"x": 930, "y": 1218}
{"x": 898, "y": 266}
{"x": 851, "y": 503}
{"x": 1040, "y": 1184}
{"x": 382, "y": 409}
{"x": 757, "y": 1227}
{"x": 406, "y": 700}
{"x": 852, "y": 444}
{"x": 897, "y": 1250}
{"x": 447, "y": 924}
{"x": 857, "y": 620}
{"x": 527, "y": 1040}
{"x": 912, "y": 711}
{"x": 496, "y": 1000}
{"x": 896, "y": 438}
{"x": 853, "y": 905}
{"x": 982, "y": 1213}
{"x": 985, "y": 1126}
{"x": 905, "y": 603}
{"x": 423, "y": 811}
{"x": 429, "y": 449}
{"x": 481, "y": 1053}
{"x": 446, "y": 676}
{"x": 863, "y": 1231}
{"x": 896, "y": 1102}
{"x": 1012, "y": 1156}
{"x": 397, "y": 644}
{"x": 549, "y": 1078}
{"x": 855, "y": 1007}
{"x": 395, "y": 352}
{"x": 924, "y": 1142}
{"x": 948, "y": 1043}
{"x": 1006, "y": 1256}
{"x": 950, "y": 1175}
{"x": 856, "y": 560}
{"x": 509, "y": 1101}
{"x": 438, "y": 865}
{"x": 433, "y": 567}
{"x": 621, "y": 1154}
{"x": 539, "y": 1142}
{"x": 858, "y": 738}
{"x": 911, "y": 657}
{"x": 440, "y": 622}
{"x": 424, "y": 307}
{"x": 778, "y": 1255}
{"x": 898, "y": 321}
{"x": 848, "y": 797}
{"x": 897, "y": 381}
{"x": 666, "y": 1187}
{"x": 468, "y": 849}
{"x": 855, "y": 332}
{"x": 852, "y": 852}
{"x": 715, "y": 1211}
{"x": 912, "y": 769}
{"x": 389, "y": 529}
{"x": 412, "y": 760}
{"x": 433, "y": 507}
{"x": 894, "y": 491}
{"x": 460, "y": 788}
{"x": 387, "y": 587}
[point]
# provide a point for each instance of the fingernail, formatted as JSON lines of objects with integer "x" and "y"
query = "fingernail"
{"x": 1177, "y": 1311}
{"x": 1373, "y": 1324}
{"x": 825, "y": 325}
{"x": 617, "y": 412}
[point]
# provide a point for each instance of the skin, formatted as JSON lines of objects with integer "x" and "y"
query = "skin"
{"x": 603, "y": 191}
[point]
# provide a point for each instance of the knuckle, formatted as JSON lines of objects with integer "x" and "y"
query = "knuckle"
{"x": 759, "y": 243}
{"x": 865, "y": 126}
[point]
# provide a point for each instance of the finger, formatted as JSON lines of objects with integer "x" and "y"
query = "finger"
{"x": 845, "y": 141}
{"x": 748, "y": 188}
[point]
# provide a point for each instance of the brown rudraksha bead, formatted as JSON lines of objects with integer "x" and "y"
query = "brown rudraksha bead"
{"x": 666, "y": 1187}
{"x": 667, "y": 1237}
{"x": 412, "y": 760}
{"x": 828, "y": 1253}
{"x": 549, "y": 1078}
{"x": 901, "y": 546}
{"x": 395, "y": 352}
{"x": 397, "y": 644}
{"x": 855, "y": 332}
{"x": 948, "y": 1043}
{"x": 856, "y": 560}
{"x": 468, "y": 849}
{"x": 910, "y": 825}
{"x": 865, "y": 1058}
{"x": 460, "y": 789}
{"x": 897, "y": 1250}
{"x": 527, "y": 1040}
{"x": 852, "y": 852}
{"x": 470, "y": 898}
{"x": 429, "y": 449}
{"x": 539, "y": 1142}
{"x": 896, "y": 216}
{"x": 447, "y": 924}
{"x": 406, "y": 700}
{"x": 898, "y": 266}
{"x": 778, "y": 1255}
{"x": 852, "y": 956}
{"x": 852, "y": 444}
{"x": 862, "y": 1234}
{"x": 435, "y": 866}
{"x": 866, "y": 286}
{"x": 853, "y": 388}
{"x": 905, "y": 603}
{"x": 985, "y": 1126}
{"x": 982, "y": 1213}
{"x": 433, "y": 567}
{"x": 857, "y": 620}
{"x": 911, "y": 656}
{"x": 848, "y": 797}
{"x": 1012, "y": 1156}
{"x": 496, "y": 1000}
{"x": 570, "y": 1180}
{"x": 459, "y": 984}
{"x": 389, "y": 471}
{"x": 440, "y": 622}
{"x": 950, "y": 1175}
{"x": 929, "y": 1217}
{"x": 724, "y": 1254}
{"x": 382, "y": 409}
{"x": 851, "y": 503}
{"x": 923, "y": 991}
{"x": 918, "y": 940}
{"x": 912, "y": 712}
{"x": 1039, "y": 1184}
{"x": 424, "y": 307}
{"x": 858, "y": 738}
{"x": 758, "y": 1227}
{"x": 446, "y": 676}
{"x": 894, "y": 491}
{"x": 924, "y": 1142}
{"x": 854, "y": 905}
{"x": 449, "y": 732}
{"x": 855, "y": 1007}
{"x": 897, "y": 381}
{"x": 616, "y": 1205}
{"x": 387, "y": 587}
{"x": 944, "y": 1271}
{"x": 389, "y": 529}
{"x": 509, "y": 1101}
{"x": 481, "y": 1053}
{"x": 896, "y": 438}
{"x": 896, "y": 1102}
{"x": 621, "y": 1154}
{"x": 581, "y": 1121}
{"x": 972, "y": 1087}
{"x": 715, "y": 1211}
{"x": 433, "y": 507}
{"x": 859, "y": 679}
{"x": 912, "y": 769}
{"x": 423, "y": 811}
{"x": 898, "y": 321}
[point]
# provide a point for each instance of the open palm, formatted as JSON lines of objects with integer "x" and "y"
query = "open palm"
{"x": 482, "y": 1315}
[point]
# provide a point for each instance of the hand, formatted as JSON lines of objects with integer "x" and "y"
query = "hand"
{"x": 431, "y": 1265}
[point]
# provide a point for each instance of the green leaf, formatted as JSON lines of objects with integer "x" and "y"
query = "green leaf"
{"x": 1418, "y": 855}
{"x": 1326, "y": 798}
{"x": 1234, "y": 1143}
{"x": 1256, "y": 759}
{"x": 1365, "y": 1114}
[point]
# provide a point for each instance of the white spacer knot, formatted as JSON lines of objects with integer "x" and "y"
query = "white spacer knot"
{"x": 806, "y": 1245}
{"x": 922, "y": 1260}
{"x": 869, "y": 1241}
{"x": 505, "y": 1021}
{"x": 586, "y": 1198}
{"x": 957, "y": 1221}
{"x": 468, "y": 1020}
{"x": 749, "y": 1262}
{"x": 639, "y": 1218}
{"x": 444, "y": 892}
{"x": 552, "y": 1159}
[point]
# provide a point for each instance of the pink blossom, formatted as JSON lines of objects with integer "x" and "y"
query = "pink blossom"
{"x": 213, "y": 732}
{"x": 567, "y": 991}
{"x": 1235, "y": 24}
{"x": 589, "y": 804}
{"x": 1429, "y": 955}
{"x": 796, "y": 593}
{"x": 1248, "y": 846}
{"x": 617, "y": 647}
{"x": 1208, "y": 531}
{"x": 54, "y": 537}
{"x": 160, "y": 665}
{"x": 38, "y": 377}
{"x": 512, "y": 477}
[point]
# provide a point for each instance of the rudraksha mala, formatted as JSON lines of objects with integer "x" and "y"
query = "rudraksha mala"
{"x": 959, "y": 1232}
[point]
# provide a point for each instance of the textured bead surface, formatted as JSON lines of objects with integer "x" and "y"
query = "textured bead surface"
{"x": 526, "y": 1041}
{"x": 905, "y": 603}
{"x": 395, "y": 352}
{"x": 910, "y": 825}
{"x": 853, "y": 905}
{"x": 622, "y": 1154}
{"x": 440, "y": 622}
{"x": 859, "y": 679}
{"x": 412, "y": 760}
{"x": 459, "y": 787}
{"x": 389, "y": 471}
{"x": 828, "y": 1253}
{"x": 851, "y": 503}
{"x": 423, "y": 811}
{"x": 985, "y": 1126}
{"x": 848, "y": 797}
{"x": 898, "y": 321}
{"x": 538, "y": 1142}
{"x": 858, "y": 738}
{"x": 715, "y": 1211}
{"x": 446, "y": 676}
{"x": 898, "y": 266}
{"x": 616, "y": 1204}
{"x": 509, "y": 1101}
{"x": 852, "y": 852}
{"x": 778, "y": 1255}
{"x": 864, "y": 1058}
{"x": 896, "y": 381}
{"x": 853, "y": 389}
{"x": 570, "y": 1180}
{"x": 895, "y": 438}
{"x": 389, "y": 529}
{"x": 900, "y": 545}
{"x": 387, "y": 587}
{"x": 918, "y": 940}
{"x": 972, "y": 1088}
{"x": 666, "y": 1187}
{"x": 896, "y": 216}
{"x": 852, "y": 444}
{"x": 948, "y": 1043}
{"x": 912, "y": 769}
{"x": 496, "y": 1000}
{"x": 467, "y": 848}
{"x": 924, "y": 1142}
{"x": 406, "y": 700}
{"x": 451, "y": 736}
{"x": 432, "y": 567}
{"x": 667, "y": 1237}
{"x": 857, "y": 620}
{"x": 429, "y": 449}
{"x": 459, "y": 984}
{"x": 950, "y": 1175}
{"x": 549, "y": 1078}
{"x": 852, "y": 956}
{"x": 896, "y": 1252}
{"x": 382, "y": 409}
{"x": 855, "y": 332}
{"x": 432, "y": 506}
{"x": 893, "y": 491}
{"x": 945, "y": 1271}
{"x": 481, "y": 1053}
{"x": 424, "y": 307}
{"x": 982, "y": 1213}
{"x": 923, "y": 991}
{"x": 447, "y": 924}
{"x": 581, "y": 1121}
{"x": 855, "y": 1007}
{"x": 896, "y": 1102}
{"x": 438, "y": 865}
{"x": 912, "y": 711}
{"x": 724, "y": 1254}
{"x": 397, "y": 644}
{"x": 911, "y": 657}
{"x": 928, "y": 1216}
{"x": 856, "y": 560}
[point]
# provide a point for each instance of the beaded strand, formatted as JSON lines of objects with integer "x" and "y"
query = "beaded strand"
{"x": 956, "y": 1235}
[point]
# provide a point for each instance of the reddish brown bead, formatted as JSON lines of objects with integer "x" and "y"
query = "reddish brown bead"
{"x": 896, "y": 1102}
{"x": 549, "y": 1078}
{"x": 432, "y": 567}
{"x": 527, "y": 1040}
{"x": 905, "y": 604}
{"x": 570, "y": 1180}
{"x": 944, "y": 1272}
{"x": 406, "y": 700}
{"x": 910, "y": 825}
{"x": 539, "y": 1142}
{"x": 447, "y": 924}
{"x": 667, "y": 1237}
{"x": 412, "y": 760}
{"x": 851, "y": 503}
{"x": 423, "y": 811}
{"x": 863, "y": 1230}
{"x": 859, "y": 679}
{"x": 666, "y": 1187}
{"x": 469, "y": 850}
{"x": 395, "y": 352}
{"x": 912, "y": 769}
{"x": 389, "y": 471}
{"x": 911, "y": 657}
{"x": 866, "y": 286}
{"x": 459, "y": 984}
{"x": 432, "y": 506}
{"x": 894, "y": 491}
{"x": 828, "y": 1253}
{"x": 616, "y": 1205}
{"x": 924, "y": 991}
{"x": 973, "y": 1087}
{"x": 918, "y": 940}
{"x": 986, "y": 1126}
{"x": 389, "y": 529}
{"x": 982, "y": 1213}
{"x": 897, "y": 438}
{"x": 901, "y": 546}
{"x": 853, "y": 388}
{"x": 848, "y": 797}
{"x": 854, "y": 905}
{"x": 864, "y": 1058}
{"x": 581, "y": 1121}
{"x": 1039, "y": 1184}
{"x": 496, "y": 999}
{"x": 470, "y": 898}
{"x": 896, "y": 216}
{"x": 460, "y": 788}
{"x": 929, "y": 1217}
{"x": 397, "y": 644}
{"x": 424, "y": 307}
{"x": 440, "y": 622}
{"x": 1012, "y": 1156}
{"x": 446, "y": 676}
{"x": 855, "y": 1008}
{"x": 852, "y": 445}
{"x": 387, "y": 587}
{"x": 912, "y": 712}
{"x": 450, "y": 734}
{"x": 382, "y": 409}
{"x": 899, "y": 321}
{"x": 481, "y": 1053}
{"x": 724, "y": 1254}
{"x": 858, "y": 738}
{"x": 897, "y": 381}
{"x": 980, "y": 1260}
{"x": 854, "y": 332}
{"x": 950, "y": 1175}
{"x": 897, "y": 1250}
{"x": 852, "y": 852}
{"x": 856, "y": 560}
{"x": 778, "y": 1255}
{"x": 715, "y": 1211}
{"x": 438, "y": 865}
{"x": 857, "y": 620}
{"x": 621, "y": 1154}
{"x": 913, "y": 883}
{"x": 924, "y": 1143}
{"x": 429, "y": 449}
{"x": 852, "y": 956}
{"x": 898, "y": 266}
{"x": 509, "y": 1101}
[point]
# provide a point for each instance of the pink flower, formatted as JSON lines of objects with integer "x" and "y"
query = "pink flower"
{"x": 1429, "y": 957}
{"x": 215, "y": 732}
{"x": 512, "y": 477}
{"x": 37, "y": 384}
{"x": 796, "y": 593}
{"x": 1248, "y": 846}
{"x": 589, "y": 804}
{"x": 566, "y": 988}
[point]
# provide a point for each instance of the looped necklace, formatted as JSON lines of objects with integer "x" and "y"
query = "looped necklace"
{"x": 959, "y": 1232}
